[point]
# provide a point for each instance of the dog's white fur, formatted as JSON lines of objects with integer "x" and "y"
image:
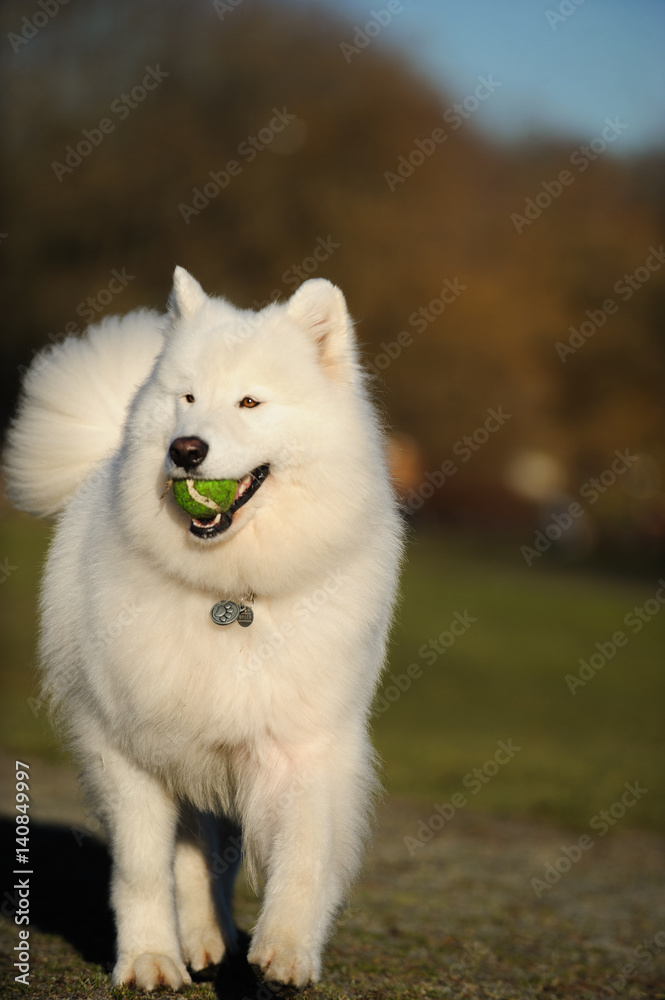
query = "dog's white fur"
{"x": 174, "y": 718}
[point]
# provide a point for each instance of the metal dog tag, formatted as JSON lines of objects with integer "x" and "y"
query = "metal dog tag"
{"x": 224, "y": 612}
{"x": 245, "y": 617}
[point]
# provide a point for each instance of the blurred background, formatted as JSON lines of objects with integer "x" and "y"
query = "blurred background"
{"x": 485, "y": 183}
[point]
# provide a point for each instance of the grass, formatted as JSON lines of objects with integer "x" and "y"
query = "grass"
{"x": 23, "y": 543}
{"x": 503, "y": 678}
{"x": 457, "y": 916}
{"x": 459, "y": 921}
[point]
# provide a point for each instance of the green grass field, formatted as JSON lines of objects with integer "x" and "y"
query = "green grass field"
{"x": 502, "y": 679}
{"x": 457, "y": 916}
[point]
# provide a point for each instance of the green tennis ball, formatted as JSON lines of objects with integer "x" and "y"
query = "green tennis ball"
{"x": 204, "y": 497}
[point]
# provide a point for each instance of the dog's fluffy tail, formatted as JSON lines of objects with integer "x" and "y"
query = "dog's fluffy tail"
{"x": 71, "y": 414}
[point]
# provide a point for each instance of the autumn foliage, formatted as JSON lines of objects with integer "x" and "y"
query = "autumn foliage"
{"x": 248, "y": 145}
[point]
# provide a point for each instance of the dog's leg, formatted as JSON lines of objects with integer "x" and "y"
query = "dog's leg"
{"x": 205, "y": 869}
{"x": 316, "y": 814}
{"x": 199, "y": 933}
{"x": 141, "y": 820}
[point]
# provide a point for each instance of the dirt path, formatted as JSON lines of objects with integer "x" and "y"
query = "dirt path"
{"x": 457, "y": 917}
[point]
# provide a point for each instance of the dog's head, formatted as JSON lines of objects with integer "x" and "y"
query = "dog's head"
{"x": 271, "y": 399}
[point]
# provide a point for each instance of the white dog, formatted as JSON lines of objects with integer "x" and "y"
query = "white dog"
{"x": 187, "y": 729}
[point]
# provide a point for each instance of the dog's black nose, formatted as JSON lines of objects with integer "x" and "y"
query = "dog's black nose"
{"x": 188, "y": 452}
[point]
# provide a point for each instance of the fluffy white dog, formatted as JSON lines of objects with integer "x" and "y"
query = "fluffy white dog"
{"x": 191, "y": 728}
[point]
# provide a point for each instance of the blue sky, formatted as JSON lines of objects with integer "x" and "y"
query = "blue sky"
{"x": 605, "y": 59}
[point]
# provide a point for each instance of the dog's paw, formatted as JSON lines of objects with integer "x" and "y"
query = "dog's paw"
{"x": 201, "y": 947}
{"x": 283, "y": 961}
{"x": 148, "y": 972}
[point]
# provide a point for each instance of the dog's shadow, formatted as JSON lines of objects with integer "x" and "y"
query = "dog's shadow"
{"x": 69, "y": 887}
{"x": 69, "y": 897}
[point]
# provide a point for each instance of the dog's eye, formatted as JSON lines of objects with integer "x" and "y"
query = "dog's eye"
{"x": 188, "y": 398}
{"x": 248, "y": 401}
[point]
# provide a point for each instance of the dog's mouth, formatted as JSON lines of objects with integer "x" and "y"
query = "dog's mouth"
{"x": 217, "y": 524}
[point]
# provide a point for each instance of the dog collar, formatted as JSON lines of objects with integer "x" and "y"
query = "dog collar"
{"x": 226, "y": 612}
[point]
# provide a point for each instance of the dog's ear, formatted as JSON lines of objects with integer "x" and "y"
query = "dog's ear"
{"x": 319, "y": 307}
{"x": 186, "y": 296}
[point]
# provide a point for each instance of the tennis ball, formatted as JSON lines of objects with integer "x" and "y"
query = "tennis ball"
{"x": 204, "y": 497}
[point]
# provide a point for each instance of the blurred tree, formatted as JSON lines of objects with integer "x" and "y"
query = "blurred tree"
{"x": 137, "y": 194}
